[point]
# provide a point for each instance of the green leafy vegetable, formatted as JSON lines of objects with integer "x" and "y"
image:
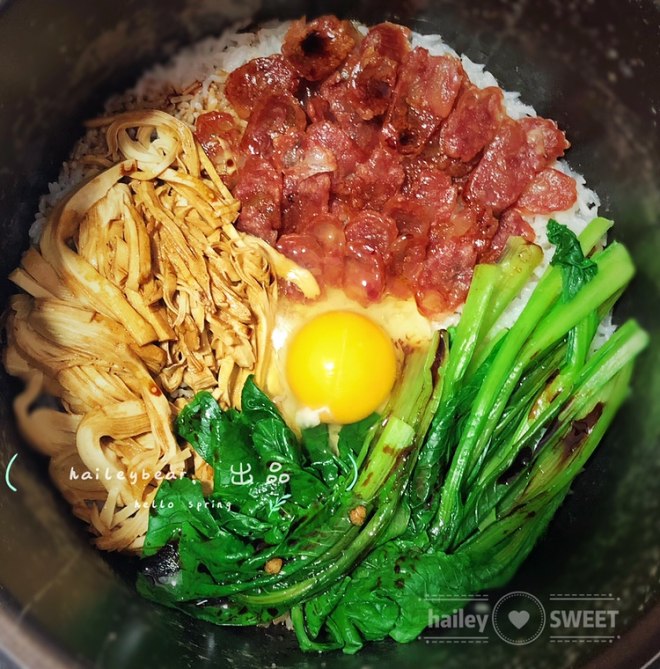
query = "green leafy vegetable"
{"x": 366, "y": 534}
{"x": 569, "y": 256}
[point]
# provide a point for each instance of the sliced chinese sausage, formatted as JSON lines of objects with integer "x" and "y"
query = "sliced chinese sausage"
{"x": 433, "y": 154}
{"x": 312, "y": 158}
{"x": 219, "y": 137}
{"x": 472, "y": 224}
{"x": 328, "y": 231}
{"x": 304, "y": 199}
{"x": 316, "y": 49}
{"x": 316, "y": 107}
{"x": 545, "y": 141}
{"x": 364, "y": 274}
{"x": 374, "y": 181}
{"x": 424, "y": 95}
{"x": 511, "y": 224}
{"x": 380, "y": 167}
{"x": 473, "y": 122}
{"x": 407, "y": 255}
{"x": 502, "y": 174}
{"x": 304, "y": 250}
{"x": 381, "y": 53}
{"x": 519, "y": 150}
{"x": 551, "y": 190}
{"x": 287, "y": 148}
{"x": 342, "y": 110}
{"x": 331, "y": 137}
{"x": 434, "y": 188}
{"x": 307, "y": 183}
{"x": 376, "y": 231}
{"x": 360, "y": 93}
{"x": 430, "y": 197}
{"x": 445, "y": 277}
{"x": 259, "y": 190}
{"x": 216, "y": 132}
{"x": 246, "y": 85}
{"x": 273, "y": 117}
{"x": 412, "y": 217}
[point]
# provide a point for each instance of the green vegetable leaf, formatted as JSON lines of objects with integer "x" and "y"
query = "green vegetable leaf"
{"x": 270, "y": 434}
{"x": 179, "y": 509}
{"x": 576, "y": 268}
{"x": 316, "y": 444}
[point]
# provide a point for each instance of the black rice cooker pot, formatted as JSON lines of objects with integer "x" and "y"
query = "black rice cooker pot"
{"x": 594, "y": 66}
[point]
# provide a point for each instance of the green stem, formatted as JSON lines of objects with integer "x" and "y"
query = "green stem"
{"x": 324, "y": 576}
{"x": 535, "y": 331}
{"x": 393, "y": 443}
{"x": 488, "y": 490}
{"x": 615, "y": 270}
{"x": 467, "y": 336}
{"x": 471, "y": 326}
{"x": 517, "y": 265}
{"x": 559, "y": 462}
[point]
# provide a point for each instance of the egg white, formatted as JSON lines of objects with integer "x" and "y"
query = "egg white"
{"x": 399, "y": 318}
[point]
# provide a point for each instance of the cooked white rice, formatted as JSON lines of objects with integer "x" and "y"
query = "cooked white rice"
{"x": 192, "y": 83}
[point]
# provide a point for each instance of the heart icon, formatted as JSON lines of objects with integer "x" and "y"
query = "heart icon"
{"x": 518, "y": 618}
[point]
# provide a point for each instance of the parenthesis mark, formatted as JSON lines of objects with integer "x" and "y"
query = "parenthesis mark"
{"x": 7, "y": 481}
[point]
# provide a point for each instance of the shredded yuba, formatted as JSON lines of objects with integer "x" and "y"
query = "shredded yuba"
{"x": 140, "y": 293}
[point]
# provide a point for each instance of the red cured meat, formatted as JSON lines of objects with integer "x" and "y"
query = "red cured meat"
{"x": 445, "y": 276}
{"x": 518, "y": 152}
{"x": 550, "y": 191}
{"x": 316, "y": 49}
{"x": 374, "y": 181}
{"x": 473, "y": 122}
{"x": 259, "y": 190}
{"x": 432, "y": 157}
{"x": 216, "y": 132}
{"x": 375, "y": 231}
{"x": 511, "y": 224}
{"x": 374, "y": 78}
{"x": 435, "y": 189}
{"x": 273, "y": 117}
{"x": 245, "y": 86}
{"x": 430, "y": 198}
{"x": 311, "y": 158}
{"x": 545, "y": 141}
{"x": 303, "y": 200}
{"x": 472, "y": 225}
{"x": 329, "y": 233}
{"x": 413, "y": 218}
{"x": 382, "y": 169}
{"x": 346, "y": 152}
{"x": 425, "y": 93}
{"x": 307, "y": 179}
{"x": 303, "y": 249}
{"x": 359, "y": 93}
{"x": 407, "y": 256}
{"x": 364, "y": 274}
{"x": 215, "y": 125}
{"x": 287, "y": 149}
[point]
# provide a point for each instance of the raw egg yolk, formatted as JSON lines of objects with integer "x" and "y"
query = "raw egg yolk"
{"x": 342, "y": 365}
